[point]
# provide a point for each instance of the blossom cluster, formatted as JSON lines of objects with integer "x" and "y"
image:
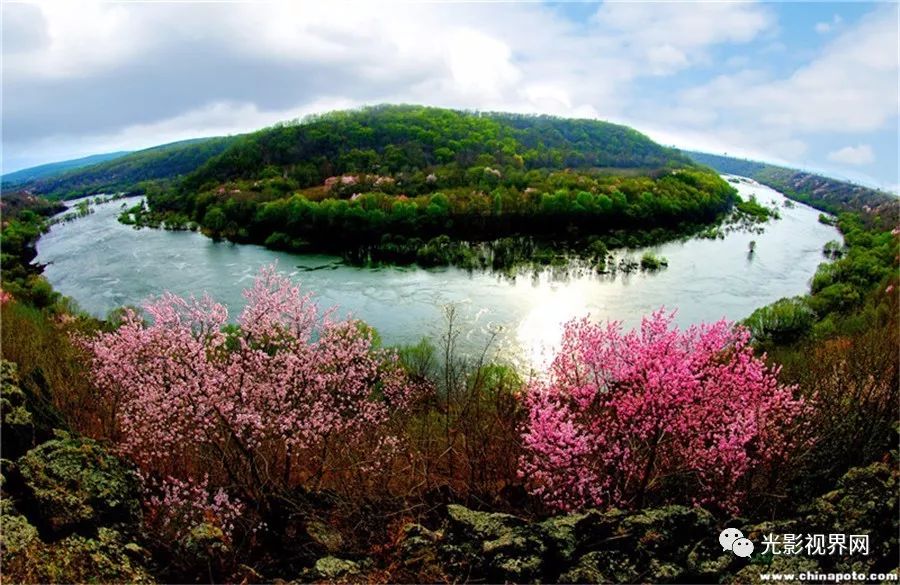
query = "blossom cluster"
{"x": 282, "y": 390}
{"x": 623, "y": 419}
{"x": 187, "y": 503}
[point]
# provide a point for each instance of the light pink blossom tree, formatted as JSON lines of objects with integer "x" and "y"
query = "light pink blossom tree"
{"x": 655, "y": 415}
{"x": 289, "y": 397}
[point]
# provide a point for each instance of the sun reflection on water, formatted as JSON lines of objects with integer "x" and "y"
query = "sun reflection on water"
{"x": 539, "y": 333}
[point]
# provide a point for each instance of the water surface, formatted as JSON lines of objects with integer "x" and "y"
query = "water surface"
{"x": 103, "y": 264}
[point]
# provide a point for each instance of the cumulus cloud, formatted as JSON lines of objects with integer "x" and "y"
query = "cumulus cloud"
{"x": 93, "y": 76}
{"x": 853, "y": 155}
{"x": 671, "y": 36}
{"x": 849, "y": 88}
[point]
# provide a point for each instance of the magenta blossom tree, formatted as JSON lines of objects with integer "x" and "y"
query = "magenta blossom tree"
{"x": 653, "y": 416}
{"x": 214, "y": 414}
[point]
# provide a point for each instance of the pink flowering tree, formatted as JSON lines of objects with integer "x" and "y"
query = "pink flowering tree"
{"x": 655, "y": 415}
{"x": 216, "y": 414}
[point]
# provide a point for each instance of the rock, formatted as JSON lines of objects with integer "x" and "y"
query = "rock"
{"x": 663, "y": 572}
{"x": 595, "y": 530}
{"x": 205, "y": 542}
{"x": 74, "y": 482}
{"x": 325, "y": 536}
{"x": 7, "y": 467}
{"x": 865, "y": 502}
{"x": 480, "y": 525}
{"x": 334, "y": 569}
{"x": 560, "y": 535}
{"x": 17, "y": 533}
{"x": 602, "y": 567}
{"x": 750, "y": 575}
{"x": 709, "y": 562}
{"x": 419, "y": 555}
{"x": 501, "y": 547}
{"x": 17, "y": 428}
{"x": 670, "y": 531}
{"x": 76, "y": 559}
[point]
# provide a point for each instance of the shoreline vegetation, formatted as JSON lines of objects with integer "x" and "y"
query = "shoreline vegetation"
{"x": 132, "y": 452}
{"x": 503, "y": 254}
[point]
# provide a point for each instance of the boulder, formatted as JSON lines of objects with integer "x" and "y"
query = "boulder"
{"x": 107, "y": 558}
{"x": 602, "y": 567}
{"x": 334, "y": 570}
{"x": 77, "y": 483}
{"x": 325, "y": 536}
{"x": 205, "y": 542}
{"x": 497, "y": 547}
{"x": 17, "y": 428}
{"x": 560, "y": 536}
{"x": 670, "y": 531}
{"x": 419, "y": 553}
{"x": 864, "y": 502}
{"x": 17, "y": 533}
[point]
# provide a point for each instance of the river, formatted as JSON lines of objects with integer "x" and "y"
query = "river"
{"x": 103, "y": 264}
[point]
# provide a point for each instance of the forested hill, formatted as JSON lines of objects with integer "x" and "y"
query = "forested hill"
{"x": 820, "y": 192}
{"x": 400, "y": 182}
{"x": 129, "y": 172}
{"x": 11, "y": 180}
{"x": 394, "y": 139}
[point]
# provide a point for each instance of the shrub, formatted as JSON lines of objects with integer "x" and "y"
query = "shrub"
{"x": 219, "y": 415}
{"x": 650, "y": 261}
{"x": 467, "y": 438}
{"x": 784, "y": 321}
{"x": 654, "y": 416}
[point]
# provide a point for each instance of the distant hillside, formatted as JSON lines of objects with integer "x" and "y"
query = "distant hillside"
{"x": 823, "y": 193}
{"x": 11, "y": 180}
{"x": 395, "y": 139}
{"x": 126, "y": 173}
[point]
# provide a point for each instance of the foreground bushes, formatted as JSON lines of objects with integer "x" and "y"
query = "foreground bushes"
{"x": 221, "y": 417}
{"x": 656, "y": 415}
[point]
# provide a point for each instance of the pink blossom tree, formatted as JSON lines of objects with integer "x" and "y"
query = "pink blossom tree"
{"x": 288, "y": 397}
{"x": 655, "y": 415}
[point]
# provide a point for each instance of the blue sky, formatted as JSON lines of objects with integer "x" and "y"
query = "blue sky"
{"x": 811, "y": 84}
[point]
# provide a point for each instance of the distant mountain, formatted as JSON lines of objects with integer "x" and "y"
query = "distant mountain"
{"x": 16, "y": 178}
{"x": 130, "y": 171}
{"x": 824, "y": 193}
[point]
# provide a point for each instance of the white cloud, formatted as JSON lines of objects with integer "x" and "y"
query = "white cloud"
{"x": 850, "y": 87}
{"x": 91, "y": 77}
{"x": 480, "y": 64}
{"x": 670, "y": 36}
{"x": 826, "y": 27}
{"x": 853, "y": 155}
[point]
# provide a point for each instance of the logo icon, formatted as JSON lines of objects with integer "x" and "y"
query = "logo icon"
{"x": 733, "y": 539}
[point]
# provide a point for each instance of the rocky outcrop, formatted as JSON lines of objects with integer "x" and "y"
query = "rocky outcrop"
{"x": 659, "y": 545}
{"x": 672, "y": 544}
{"x": 69, "y": 509}
{"x": 73, "y": 482}
{"x": 107, "y": 557}
{"x": 17, "y": 428}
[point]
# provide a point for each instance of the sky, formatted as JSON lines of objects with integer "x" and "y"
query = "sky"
{"x": 812, "y": 85}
